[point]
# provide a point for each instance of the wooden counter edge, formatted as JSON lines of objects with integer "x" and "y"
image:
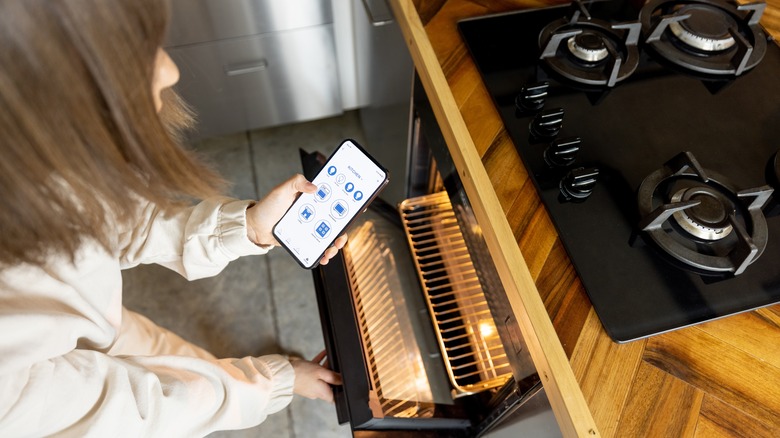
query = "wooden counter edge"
{"x": 568, "y": 404}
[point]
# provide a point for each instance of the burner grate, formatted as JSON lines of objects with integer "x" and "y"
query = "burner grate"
{"x": 714, "y": 38}
{"x": 709, "y": 210}
{"x": 590, "y": 51}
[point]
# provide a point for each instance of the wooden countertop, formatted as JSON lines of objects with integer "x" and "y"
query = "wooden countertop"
{"x": 720, "y": 378}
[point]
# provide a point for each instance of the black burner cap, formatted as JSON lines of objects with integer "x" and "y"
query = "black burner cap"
{"x": 590, "y": 41}
{"x": 709, "y": 220}
{"x": 707, "y": 29}
{"x": 707, "y": 22}
{"x": 588, "y": 46}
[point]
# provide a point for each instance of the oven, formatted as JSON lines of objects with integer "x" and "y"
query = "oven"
{"x": 650, "y": 131}
{"x": 415, "y": 318}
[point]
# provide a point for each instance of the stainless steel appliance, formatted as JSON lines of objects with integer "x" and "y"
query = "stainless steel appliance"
{"x": 650, "y": 132}
{"x": 249, "y": 64}
{"x": 384, "y": 73}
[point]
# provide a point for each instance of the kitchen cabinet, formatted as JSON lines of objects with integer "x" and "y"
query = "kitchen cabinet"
{"x": 248, "y": 64}
{"x": 384, "y": 73}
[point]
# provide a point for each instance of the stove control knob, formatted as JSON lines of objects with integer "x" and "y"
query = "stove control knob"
{"x": 547, "y": 124}
{"x": 578, "y": 184}
{"x": 531, "y": 98}
{"x": 562, "y": 151}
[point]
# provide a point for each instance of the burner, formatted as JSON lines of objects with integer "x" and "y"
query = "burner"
{"x": 707, "y": 29}
{"x": 595, "y": 53}
{"x": 588, "y": 46}
{"x": 714, "y": 38}
{"x": 709, "y": 220}
{"x": 698, "y": 218}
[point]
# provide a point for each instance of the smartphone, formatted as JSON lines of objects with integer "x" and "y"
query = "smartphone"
{"x": 349, "y": 181}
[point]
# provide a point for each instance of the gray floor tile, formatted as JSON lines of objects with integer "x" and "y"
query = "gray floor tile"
{"x": 300, "y": 331}
{"x": 231, "y": 156}
{"x": 275, "y": 426}
{"x": 314, "y": 418}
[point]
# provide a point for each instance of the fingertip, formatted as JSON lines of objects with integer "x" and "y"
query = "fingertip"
{"x": 321, "y": 355}
{"x": 301, "y": 184}
{"x": 332, "y": 377}
{"x": 340, "y": 242}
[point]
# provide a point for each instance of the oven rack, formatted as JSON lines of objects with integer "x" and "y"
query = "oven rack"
{"x": 396, "y": 371}
{"x": 473, "y": 355}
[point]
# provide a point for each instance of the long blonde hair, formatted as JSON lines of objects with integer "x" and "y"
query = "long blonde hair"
{"x": 80, "y": 140}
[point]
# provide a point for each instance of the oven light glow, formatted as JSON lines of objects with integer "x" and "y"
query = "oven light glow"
{"x": 486, "y": 329}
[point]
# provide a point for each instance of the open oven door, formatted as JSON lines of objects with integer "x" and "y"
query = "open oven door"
{"x": 395, "y": 380}
{"x": 379, "y": 334}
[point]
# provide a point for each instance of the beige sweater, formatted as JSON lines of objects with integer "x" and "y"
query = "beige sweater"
{"x": 73, "y": 362}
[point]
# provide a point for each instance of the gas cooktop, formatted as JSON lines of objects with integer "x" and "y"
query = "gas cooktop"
{"x": 650, "y": 134}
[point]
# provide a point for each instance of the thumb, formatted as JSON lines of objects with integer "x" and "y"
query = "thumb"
{"x": 299, "y": 183}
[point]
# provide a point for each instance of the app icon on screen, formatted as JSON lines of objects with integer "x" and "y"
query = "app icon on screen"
{"x": 323, "y": 193}
{"x": 339, "y": 209}
{"x": 349, "y": 187}
{"x": 332, "y": 170}
{"x": 323, "y": 229}
{"x": 306, "y": 212}
{"x": 358, "y": 195}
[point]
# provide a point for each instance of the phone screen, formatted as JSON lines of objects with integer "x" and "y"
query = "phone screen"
{"x": 345, "y": 185}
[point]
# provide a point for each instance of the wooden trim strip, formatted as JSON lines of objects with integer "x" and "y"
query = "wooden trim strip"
{"x": 568, "y": 403}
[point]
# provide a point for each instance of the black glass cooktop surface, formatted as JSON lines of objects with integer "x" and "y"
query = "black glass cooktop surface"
{"x": 709, "y": 132}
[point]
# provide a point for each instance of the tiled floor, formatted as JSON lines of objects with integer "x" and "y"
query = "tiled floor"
{"x": 257, "y": 305}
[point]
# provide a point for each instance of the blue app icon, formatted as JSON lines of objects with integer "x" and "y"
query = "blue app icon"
{"x": 323, "y": 229}
{"x": 349, "y": 187}
{"x": 339, "y": 209}
{"x": 306, "y": 212}
{"x": 323, "y": 193}
{"x": 358, "y": 195}
{"x": 332, "y": 170}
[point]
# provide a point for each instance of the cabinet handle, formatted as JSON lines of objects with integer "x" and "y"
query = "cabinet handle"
{"x": 247, "y": 67}
{"x": 385, "y": 13}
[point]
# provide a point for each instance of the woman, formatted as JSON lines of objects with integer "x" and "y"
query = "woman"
{"x": 91, "y": 182}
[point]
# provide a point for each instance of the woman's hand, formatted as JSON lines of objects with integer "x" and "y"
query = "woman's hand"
{"x": 312, "y": 380}
{"x": 262, "y": 217}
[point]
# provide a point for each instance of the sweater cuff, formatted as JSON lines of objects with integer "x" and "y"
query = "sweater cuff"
{"x": 282, "y": 381}
{"x": 233, "y": 230}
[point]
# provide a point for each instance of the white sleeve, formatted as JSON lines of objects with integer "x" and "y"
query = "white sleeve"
{"x": 88, "y": 393}
{"x": 196, "y": 242}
